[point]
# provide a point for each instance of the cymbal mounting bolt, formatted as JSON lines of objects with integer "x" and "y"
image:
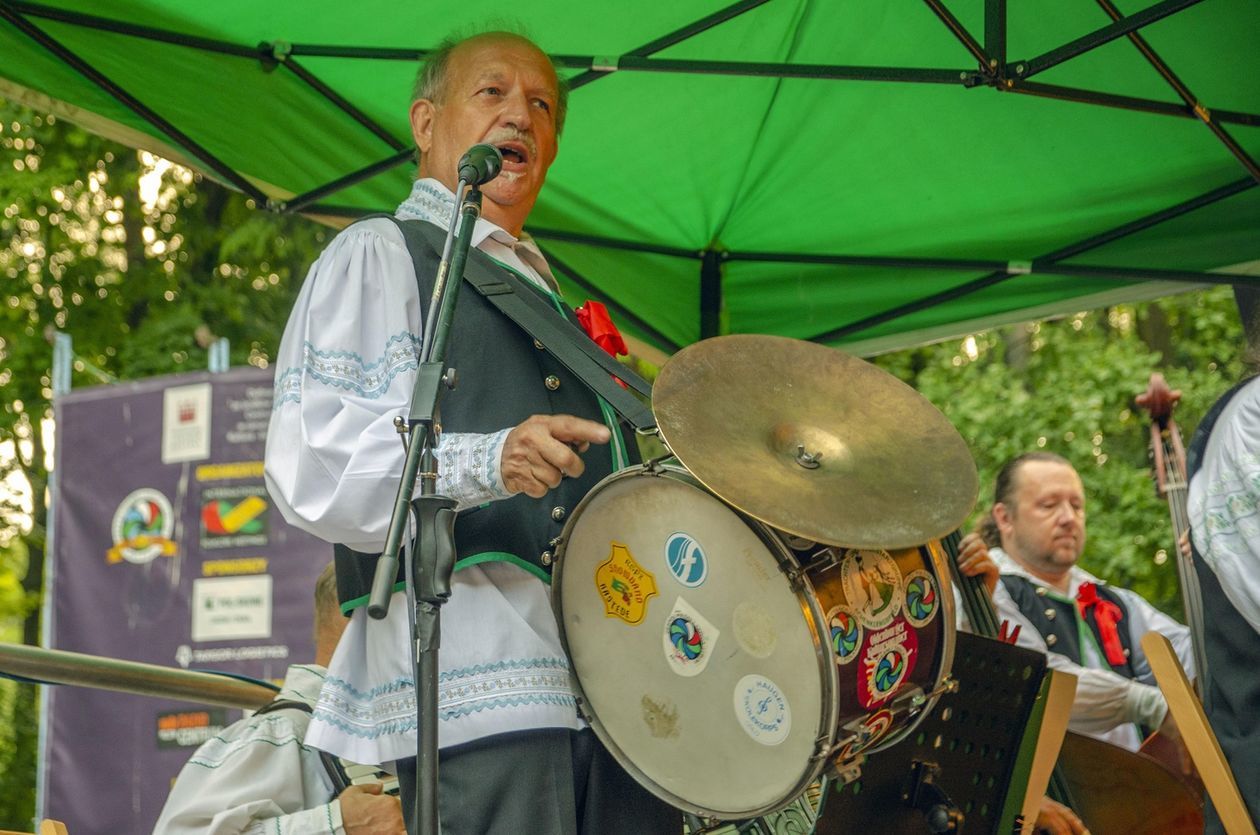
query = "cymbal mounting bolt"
{"x": 808, "y": 460}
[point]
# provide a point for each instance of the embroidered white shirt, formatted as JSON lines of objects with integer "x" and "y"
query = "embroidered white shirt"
{"x": 1224, "y": 502}
{"x": 346, "y": 368}
{"x": 257, "y": 777}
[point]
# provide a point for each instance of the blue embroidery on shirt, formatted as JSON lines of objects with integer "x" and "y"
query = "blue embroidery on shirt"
{"x": 348, "y": 370}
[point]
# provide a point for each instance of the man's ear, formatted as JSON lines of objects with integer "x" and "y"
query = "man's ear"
{"x": 422, "y": 116}
{"x": 1002, "y": 516}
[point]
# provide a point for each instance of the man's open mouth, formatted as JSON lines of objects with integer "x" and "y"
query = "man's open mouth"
{"x": 513, "y": 153}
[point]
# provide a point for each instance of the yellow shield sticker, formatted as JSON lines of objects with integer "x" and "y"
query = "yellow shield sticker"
{"x": 624, "y": 585}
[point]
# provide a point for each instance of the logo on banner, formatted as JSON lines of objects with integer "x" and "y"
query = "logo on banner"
{"x": 234, "y": 516}
{"x": 624, "y": 585}
{"x": 142, "y": 528}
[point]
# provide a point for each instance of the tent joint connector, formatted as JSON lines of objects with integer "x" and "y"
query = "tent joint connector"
{"x": 605, "y": 63}
{"x": 1019, "y": 267}
{"x": 274, "y": 54}
{"x": 276, "y": 206}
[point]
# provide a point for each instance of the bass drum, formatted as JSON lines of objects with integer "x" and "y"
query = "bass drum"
{"x": 721, "y": 672}
{"x": 699, "y": 666}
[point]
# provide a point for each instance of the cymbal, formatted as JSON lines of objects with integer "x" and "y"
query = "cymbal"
{"x": 814, "y": 442}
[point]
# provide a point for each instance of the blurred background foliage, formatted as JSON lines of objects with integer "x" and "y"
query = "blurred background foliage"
{"x": 145, "y": 263}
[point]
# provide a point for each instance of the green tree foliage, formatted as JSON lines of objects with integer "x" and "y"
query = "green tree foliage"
{"x": 143, "y": 264}
{"x": 1068, "y": 386}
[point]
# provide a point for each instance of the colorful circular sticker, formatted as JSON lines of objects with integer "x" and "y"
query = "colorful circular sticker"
{"x": 889, "y": 656}
{"x": 689, "y": 639}
{"x": 762, "y": 710}
{"x": 686, "y": 559}
{"x": 922, "y": 602}
{"x": 873, "y": 585}
{"x": 846, "y": 634}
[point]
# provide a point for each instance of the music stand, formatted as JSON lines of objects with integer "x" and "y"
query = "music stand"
{"x": 973, "y": 753}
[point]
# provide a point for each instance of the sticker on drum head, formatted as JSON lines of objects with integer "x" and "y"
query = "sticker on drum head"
{"x": 846, "y": 634}
{"x": 762, "y": 710}
{"x": 689, "y": 640}
{"x": 921, "y": 598}
{"x": 872, "y": 585}
{"x": 624, "y": 585}
{"x": 888, "y": 658}
{"x": 686, "y": 559}
{"x": 866, "y": 732}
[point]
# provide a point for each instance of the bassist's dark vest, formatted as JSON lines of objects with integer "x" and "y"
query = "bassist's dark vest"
{"x": 1055, "y": 619}
{"x": 504, "y": 377}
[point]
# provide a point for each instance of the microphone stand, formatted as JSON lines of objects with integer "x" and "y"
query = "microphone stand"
{"x": 430, "y": 564}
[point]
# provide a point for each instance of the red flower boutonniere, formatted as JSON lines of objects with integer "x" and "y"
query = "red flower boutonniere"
{"x": 594, "y": 319}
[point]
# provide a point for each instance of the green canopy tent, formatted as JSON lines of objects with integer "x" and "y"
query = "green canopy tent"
{"x": 862, "y": 174}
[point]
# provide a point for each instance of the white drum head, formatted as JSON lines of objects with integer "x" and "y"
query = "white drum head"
{"x": 700, "y": 668}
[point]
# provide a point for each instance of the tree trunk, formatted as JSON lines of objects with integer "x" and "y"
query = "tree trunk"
{"x": 1155, "y": 332}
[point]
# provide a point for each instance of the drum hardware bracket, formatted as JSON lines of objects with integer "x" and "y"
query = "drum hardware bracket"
{"x": 850, "y": 771}
{"x": 654, "y": 465}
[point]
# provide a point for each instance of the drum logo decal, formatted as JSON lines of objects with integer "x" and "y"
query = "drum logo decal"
{"x": 873, "y": 585}
{"x": 686, "y": 559}
{"x": 762, "y": 710}
{"x": 624, "y": 585}
{"x": 921, "y": 598}
{"x": 866, "y": 732}
{"x": 888, "y": 658}
{"x": 688, "y": 640}
{"x": 846, "y": 634}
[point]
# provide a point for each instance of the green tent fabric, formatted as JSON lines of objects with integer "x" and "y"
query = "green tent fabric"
{"x": 863, "y": 174}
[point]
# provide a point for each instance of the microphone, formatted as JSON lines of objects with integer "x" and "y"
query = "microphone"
{"x": 480, "y": 165}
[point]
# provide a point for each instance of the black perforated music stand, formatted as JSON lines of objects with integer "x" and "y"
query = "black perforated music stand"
{"x": 972, "y": 752}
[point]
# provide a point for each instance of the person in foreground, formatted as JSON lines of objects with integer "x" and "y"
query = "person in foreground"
{"x": 1224, "y": 511}
{"x": 516, "y": 454}
{"x": 258, "y": 777}
{"x": 1087, "y": 627}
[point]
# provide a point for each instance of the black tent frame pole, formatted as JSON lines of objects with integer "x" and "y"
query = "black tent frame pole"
{"x": 710, "y": 294}
{"x": 1099, "y": 37}
{"x": 307, "y": 200}
{"x": 960, "y": 32}
{"x": 129, "y": 101}
{"x": 341, "y": 102}
{"x": 976, "y": 285}
{"x": 995, "y": 36}
{"x": 1191, "y": 100}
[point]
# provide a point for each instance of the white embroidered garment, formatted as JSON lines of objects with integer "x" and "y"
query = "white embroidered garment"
{"x": 256, "y": 777}
{"x": 346, "y": 368}
{"x": 1107, "y": 706}
{"x": 1224, "y": 502}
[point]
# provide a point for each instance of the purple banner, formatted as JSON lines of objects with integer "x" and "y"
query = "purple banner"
{"x": 167, "y": 550}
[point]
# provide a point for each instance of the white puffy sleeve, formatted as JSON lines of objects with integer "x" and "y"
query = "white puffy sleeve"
{"x": 345, "y": 369}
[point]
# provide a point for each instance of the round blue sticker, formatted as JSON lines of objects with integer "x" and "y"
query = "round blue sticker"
{"x": 686, "y": 559}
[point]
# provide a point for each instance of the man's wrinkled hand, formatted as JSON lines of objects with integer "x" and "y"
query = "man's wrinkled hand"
{"x": 974, "y": 559}
{"x": 1054, "y": 818}
{"x": 365, "y": 810}
{"x": 544, "y": 449}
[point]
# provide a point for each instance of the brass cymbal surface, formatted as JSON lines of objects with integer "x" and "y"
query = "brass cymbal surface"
{"x": 814, "y": 442}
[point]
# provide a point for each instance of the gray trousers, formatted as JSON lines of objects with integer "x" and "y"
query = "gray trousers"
{"x": 544, "y": 782}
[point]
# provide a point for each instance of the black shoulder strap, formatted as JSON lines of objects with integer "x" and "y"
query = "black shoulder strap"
{"x": 532, "y": 314}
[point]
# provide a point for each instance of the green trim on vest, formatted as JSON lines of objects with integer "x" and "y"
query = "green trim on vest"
{"x": 350, "y": 605}
{"x": 503, "y": 556}
{"x": 476, "y": 559}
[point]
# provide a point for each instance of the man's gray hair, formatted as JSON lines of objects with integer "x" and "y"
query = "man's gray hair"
{"x": 431, "y": 79}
